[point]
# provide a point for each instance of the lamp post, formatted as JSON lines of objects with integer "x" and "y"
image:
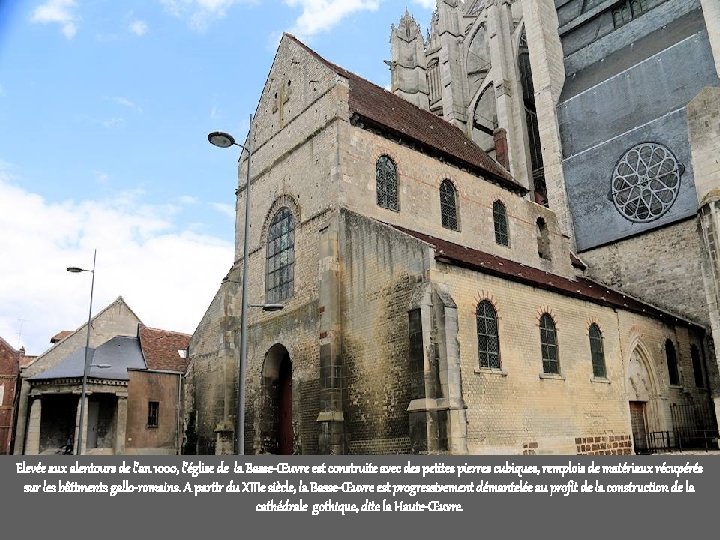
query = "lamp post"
{"x": 225, "y": 140}
{"x": 77, "y": 270}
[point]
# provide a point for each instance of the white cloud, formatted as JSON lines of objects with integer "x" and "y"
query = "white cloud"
{"x": 187, "y": 199}
{"x": 113, "y": 123}
{"x": 321, "y": 15}
{"x": 125, "y": 102}
{"x": 427, "y": 4}
{"x": 61, "y": 12}
{"x": 139, "y": 28}
{"x": 200, "y": 13}
{"x": 141, "y": 256}
{"x": 223, "y": 208}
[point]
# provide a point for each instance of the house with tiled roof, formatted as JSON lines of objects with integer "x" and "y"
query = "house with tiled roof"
{"x": 431, "y": 302}
{"x": 134, "y": 386}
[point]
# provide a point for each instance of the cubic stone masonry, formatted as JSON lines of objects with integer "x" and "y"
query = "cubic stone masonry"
{"x": 381, "y": 346}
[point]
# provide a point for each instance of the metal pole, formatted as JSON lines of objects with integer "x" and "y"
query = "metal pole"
{"x": 240, "y": 435}
{"x": 78, "y": 444}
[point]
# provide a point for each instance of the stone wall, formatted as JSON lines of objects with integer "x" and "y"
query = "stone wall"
{"x": 380, "y": 268}
{"x": 419, "y": 178}
{"x": 519, "y": 408}
{"x": 661, "y": 267}
{"x": 520, "y": 405}
{"x": 294, "y": 165}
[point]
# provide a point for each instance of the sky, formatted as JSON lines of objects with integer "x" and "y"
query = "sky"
{"x": 105, "y": 107}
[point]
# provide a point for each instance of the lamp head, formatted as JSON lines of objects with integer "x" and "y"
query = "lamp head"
{"x": 221, "y": 139}
{"x": 75, "y": 269}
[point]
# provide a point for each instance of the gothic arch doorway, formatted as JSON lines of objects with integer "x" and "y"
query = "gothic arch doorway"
{"x": 278, "y": 435}
{"x": 643, "y": 397}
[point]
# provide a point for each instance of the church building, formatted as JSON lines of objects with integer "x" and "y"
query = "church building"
{"x": 437, "y": 294}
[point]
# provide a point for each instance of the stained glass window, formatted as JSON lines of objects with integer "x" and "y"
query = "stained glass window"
{"x": 387, "y": 183}
{"x": 646, "y": 182}
{"x": 280, "y": 270}
{"x": 488, "y": 339}
{"x": 548, "y": 345}
{"x": 448, "y": 205}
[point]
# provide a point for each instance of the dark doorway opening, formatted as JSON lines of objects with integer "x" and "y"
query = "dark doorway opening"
{"x": 278, "y": 433}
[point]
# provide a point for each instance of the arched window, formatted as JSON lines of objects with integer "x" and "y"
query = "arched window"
{"x": 387, "y": 183}
{"x": 280, "y": 269}
{"x": 548, "y": 345}
{"x": 596, "y": 351}
{"x": 672, "y": 363}
{"x": 697, "y": 366}
{"x": 501, "y": 225}
{"x": 448, "y": 205}
{"x": 488, "y": 340}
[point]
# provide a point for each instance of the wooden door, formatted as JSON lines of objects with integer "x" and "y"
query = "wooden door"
{"x": 637, "y": 424}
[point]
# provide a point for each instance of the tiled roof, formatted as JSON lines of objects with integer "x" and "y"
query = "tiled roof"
{"x": 57, "y": 338}
{"x": 25, "y": 361}
{"x": 582, "y": 288}
{"x": 378, "y": 108}
{"x": 161, "y": 349}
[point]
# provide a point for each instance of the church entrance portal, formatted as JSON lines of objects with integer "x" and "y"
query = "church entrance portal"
{"x": 644, "y": 399}
{"x": 278, "y": 432}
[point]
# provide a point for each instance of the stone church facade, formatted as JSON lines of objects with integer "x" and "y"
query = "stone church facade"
{"x": 611, "y": 105}
{"x": 423, "y": 244}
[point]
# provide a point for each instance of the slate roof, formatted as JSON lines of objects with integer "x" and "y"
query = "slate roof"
{"x": 376, "y": 107}
{"x": 161, "y": 349}
{"x": 120, "y": 353}
{"x": 581, "y": 288}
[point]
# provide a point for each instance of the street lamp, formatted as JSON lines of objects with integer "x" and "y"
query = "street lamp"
{"x": 77, "y": 270}
{"x": 225, "y": 140}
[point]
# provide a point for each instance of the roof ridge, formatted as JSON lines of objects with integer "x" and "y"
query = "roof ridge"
{"x": 163, "y": 330}
{"x": 469, "y": 155}
{"x": 117, "y": 301}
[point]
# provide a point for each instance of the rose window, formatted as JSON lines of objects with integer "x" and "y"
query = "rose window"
{"x": 646, "y": 182}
